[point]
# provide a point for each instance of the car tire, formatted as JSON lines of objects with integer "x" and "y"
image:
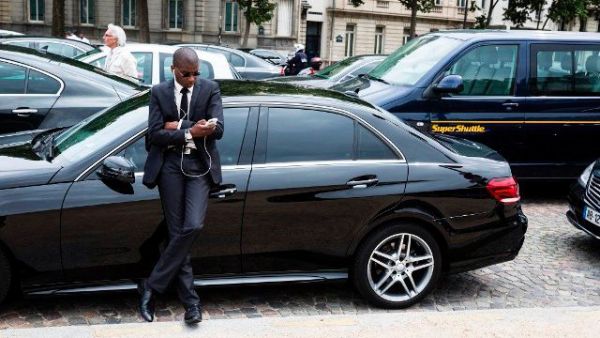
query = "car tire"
{"x": 390, "y": 280}
{"x": 5, "y": 276}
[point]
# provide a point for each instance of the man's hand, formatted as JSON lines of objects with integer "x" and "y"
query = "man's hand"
{"x": 171, "y": 125}
{"x": 201, "y": 129}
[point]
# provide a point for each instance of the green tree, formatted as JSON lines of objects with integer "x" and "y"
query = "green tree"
{"x": 565, "y": 11}
{"x": 256, "y": 12}
{"x": 415, "y": 6}
{"x": 58, "y": 18}
{"x": 490, "y": 11}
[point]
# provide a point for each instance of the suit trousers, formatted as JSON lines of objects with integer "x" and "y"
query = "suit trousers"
{"x": 184, "y": 201}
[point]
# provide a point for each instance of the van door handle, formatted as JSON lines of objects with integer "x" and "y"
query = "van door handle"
{"x": 24, "y": 112}
{"x": 361, "y": 184}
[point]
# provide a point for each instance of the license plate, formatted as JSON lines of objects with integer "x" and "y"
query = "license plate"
{"x": 591, "y": 216}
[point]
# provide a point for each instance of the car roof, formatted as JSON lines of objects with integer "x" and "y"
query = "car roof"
{"x": 498, "y": 34}
{"x": 35, "y": 58}
{"x": 79, "y": 43}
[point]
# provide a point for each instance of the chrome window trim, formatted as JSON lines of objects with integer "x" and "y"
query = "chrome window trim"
{"x": 277, "y": 165}
{"x": 223, "y": 168}
{"x": 342, "y": 112}
{"x": 60, "y": 42}
{"x": 60, "y": 90}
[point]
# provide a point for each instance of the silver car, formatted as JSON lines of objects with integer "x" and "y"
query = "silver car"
{"x": 154, "y": 63}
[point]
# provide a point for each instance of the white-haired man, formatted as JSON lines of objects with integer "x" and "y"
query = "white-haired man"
{"x": 119, "y": 60}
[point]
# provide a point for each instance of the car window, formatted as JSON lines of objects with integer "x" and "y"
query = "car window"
{"x": 166, "y": 60}
{"x": 230, "y": 145}
{"x": 561, "y": 70}
{"x": 99, "y": 63}
{"x": 18, "y": 43}
{"x": 39, "y": 83}
{"x": 12, "y": 78}
{"x": 236, "y": 60}
{"x": 364, "y": 69}
{"x": 308, "y": 135}
{"x": 144, "y": 66}
{"x": 60, "y": 49}
{"x": 487, "y": 70}
{"x": 136, "y": 153}
{"x": 370, "y": 147}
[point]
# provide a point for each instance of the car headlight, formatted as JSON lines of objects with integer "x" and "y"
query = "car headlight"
{"x": 585, "y": 176}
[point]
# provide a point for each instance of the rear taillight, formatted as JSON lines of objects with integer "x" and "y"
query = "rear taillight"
{"x": 504, "y": 190}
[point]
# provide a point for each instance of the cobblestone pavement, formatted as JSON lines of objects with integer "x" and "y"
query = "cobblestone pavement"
{"x": 557, "y": 266}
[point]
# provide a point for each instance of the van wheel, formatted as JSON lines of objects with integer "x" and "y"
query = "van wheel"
{"x": 5, "y": 276}
{"x": 397, "y": 266}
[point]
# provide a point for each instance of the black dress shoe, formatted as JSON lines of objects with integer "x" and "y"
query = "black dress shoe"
{"x": 146, "y": 302}
{"x": 193, "y": 314}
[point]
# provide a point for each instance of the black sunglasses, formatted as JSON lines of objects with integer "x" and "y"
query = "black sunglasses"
{"x": 188, "y": 74}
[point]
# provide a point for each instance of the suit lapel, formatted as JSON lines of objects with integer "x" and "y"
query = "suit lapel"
{"x": 171, "y": 96}
{"x": 194, "y": 100}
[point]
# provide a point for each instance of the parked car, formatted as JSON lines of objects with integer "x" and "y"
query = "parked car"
{"x": 248, "y": 65}
{"x": 353, "y": 190}
{"x": 65, "y": 47}
{"x": 584, "y": 201}
{"x": 329, "y": 76}
{"x": 154, "y": 63}
{"x": 4, "y": 32}
{"x": 272, "y": 56}
{"x": 532, "y": 96}
{"x": 44, "y": 91}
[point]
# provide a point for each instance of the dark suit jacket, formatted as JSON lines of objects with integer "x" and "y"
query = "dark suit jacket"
{"x": 205, "y": 104}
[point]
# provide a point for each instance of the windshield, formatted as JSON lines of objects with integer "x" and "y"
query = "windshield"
{"x": 101, "y": 129}
{"x": 408, "y": 64}
{"x": 336, "y": 68}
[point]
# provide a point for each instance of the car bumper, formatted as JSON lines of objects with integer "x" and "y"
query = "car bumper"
{"x": 575, "y": 213}
{"x": 500, "y": 244}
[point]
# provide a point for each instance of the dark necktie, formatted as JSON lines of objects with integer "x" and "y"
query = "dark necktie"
{"x": 183, "y": 105}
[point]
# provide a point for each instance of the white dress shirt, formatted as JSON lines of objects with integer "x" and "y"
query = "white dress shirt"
{"x": 182, "y": 115}
{"x": 121, "y": 62}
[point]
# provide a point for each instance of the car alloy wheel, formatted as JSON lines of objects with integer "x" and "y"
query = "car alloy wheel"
{"x": 397, "y": 266}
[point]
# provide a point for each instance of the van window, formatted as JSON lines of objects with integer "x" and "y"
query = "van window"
{"x": 559, "y": 70}
{"x": 487, "y": 70}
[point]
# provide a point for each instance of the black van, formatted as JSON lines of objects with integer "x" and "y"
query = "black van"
{"x": 532, "y": 96}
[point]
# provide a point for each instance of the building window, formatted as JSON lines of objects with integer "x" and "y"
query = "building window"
{"x": 285, "y": 17}
{"x": 231, "y": 16}
{"x": 383, "y": 4}
{"x": 175, "y": 14}
{"x": 349, "y": 48}
{"x": 379, "y": 40}
{"x": 86, "y": 11}
{"x": 461, "y": 3}
{"x": 36, "y": 10}
{"x": 437, "y": 2}
{"x": 128, "y": 13}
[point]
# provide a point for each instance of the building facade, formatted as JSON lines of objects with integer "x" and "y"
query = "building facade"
{"x": 207, "y": 21}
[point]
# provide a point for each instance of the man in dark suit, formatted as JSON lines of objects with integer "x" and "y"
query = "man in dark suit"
{"x": 184, "y": 162}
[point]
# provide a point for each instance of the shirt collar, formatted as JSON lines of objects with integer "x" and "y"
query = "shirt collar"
{"x": 178, "y": 87}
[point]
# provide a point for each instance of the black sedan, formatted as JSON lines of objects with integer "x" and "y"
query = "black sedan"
{"x": 584, "y": 201}
{"x": 316, "y": 186}
{"x": 44, "y": 91}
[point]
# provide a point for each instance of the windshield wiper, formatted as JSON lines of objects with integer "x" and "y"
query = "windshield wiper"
{"x": 371, "y": 77}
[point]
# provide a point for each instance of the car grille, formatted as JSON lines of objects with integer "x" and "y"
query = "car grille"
{"x": 592, "y": 193}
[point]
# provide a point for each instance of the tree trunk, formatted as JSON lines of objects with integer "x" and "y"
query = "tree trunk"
{"x": 489, "y": 17}
{"x": 246, "y": 33}
{"x": 583, "y": 24}
{"x": 545, "y": 22}
{"x": 143, "y": 24}
{"x": 58, "y": 18}
{"x": 413, "y": 19}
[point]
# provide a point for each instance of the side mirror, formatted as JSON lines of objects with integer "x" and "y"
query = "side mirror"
{"x": 117, "y": 169}
{"x": 451, "y": 84}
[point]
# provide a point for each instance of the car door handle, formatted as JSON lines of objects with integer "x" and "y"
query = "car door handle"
{"x": 510, "y": 105}
{"x": 361, "y": 184}
{"x": 24, "y": 112}
{"x": 224, "y": 191}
